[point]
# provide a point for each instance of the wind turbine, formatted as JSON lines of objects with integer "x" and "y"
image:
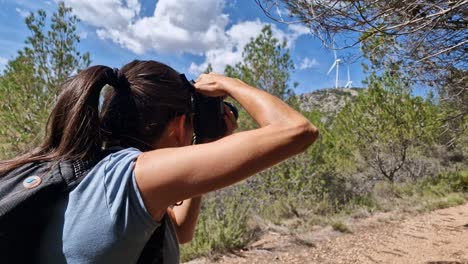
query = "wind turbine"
{"x": 336, "y": 64}
{"x": 349, "y": 84}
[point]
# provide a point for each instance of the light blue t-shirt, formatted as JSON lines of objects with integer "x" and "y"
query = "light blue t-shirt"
{"x": 103, "y": 219}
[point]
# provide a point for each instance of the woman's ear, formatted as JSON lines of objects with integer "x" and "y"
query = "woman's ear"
{"x": 180, "y": 131}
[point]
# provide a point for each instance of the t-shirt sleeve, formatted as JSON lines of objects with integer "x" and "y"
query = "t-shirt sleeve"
{"x": 124, "y": 200}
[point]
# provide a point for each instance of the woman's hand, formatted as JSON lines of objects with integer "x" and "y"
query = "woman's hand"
{"x": 230, "y": 120}
{"x": 214, "y": 84}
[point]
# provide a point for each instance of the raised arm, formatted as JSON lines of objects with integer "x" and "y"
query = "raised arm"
{"x": 168, "y": 175}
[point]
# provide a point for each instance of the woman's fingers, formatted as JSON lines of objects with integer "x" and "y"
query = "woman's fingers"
{"x": 231, "y": 116}
{"x": 230, "y": 120}
{"x": 213, "y": 84}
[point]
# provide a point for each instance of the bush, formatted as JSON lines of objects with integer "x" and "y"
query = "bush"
{"x": 445, "y": 183}
{"x": 340, "y": 226}
{"x": 222, "y": 225}
{"x": 457, "y": 181}
{"x": 450, "y": 200}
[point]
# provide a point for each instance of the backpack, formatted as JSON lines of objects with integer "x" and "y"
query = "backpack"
{"x": 26, "y": 196}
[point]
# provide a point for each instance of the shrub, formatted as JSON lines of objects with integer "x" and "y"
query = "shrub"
{"x": 222, "y": 225}
{"x": 340, "y": 226}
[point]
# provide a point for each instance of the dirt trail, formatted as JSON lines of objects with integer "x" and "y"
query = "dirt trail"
{"x": 438, "y": 237}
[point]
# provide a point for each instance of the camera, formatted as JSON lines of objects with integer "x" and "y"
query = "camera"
{"x": 208, "y": 120}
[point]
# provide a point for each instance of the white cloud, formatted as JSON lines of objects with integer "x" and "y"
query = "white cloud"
{"x": 193, "y": 26}
{"x": 22, "y": 12}
{"x": 231, "y": 53}
{"x": 236, "y": 38}
{"x": 184, "y": 26}
{"x": 299, "y": 29}
{"x": 307, "y": 63}
{"x": 106, "y": 14}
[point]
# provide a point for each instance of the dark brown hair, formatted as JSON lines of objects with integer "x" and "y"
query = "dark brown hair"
{"x": 144, "y": 97}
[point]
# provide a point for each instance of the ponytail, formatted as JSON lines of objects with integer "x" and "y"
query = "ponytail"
{"x": 73, "y": 129}
{"x": 145, "y": 97}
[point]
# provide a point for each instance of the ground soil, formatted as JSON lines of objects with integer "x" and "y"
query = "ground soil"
{"x": 437, "y": 237}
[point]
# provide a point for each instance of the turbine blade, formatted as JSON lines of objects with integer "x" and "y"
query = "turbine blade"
{"x": 331, "y": 68}
{"x": 337, "y": 72}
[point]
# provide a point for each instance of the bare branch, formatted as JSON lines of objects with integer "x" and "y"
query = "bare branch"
{"x": 443, "y": 51}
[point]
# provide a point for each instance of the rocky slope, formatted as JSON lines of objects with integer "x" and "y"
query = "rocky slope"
{"x": 328, "y": 101}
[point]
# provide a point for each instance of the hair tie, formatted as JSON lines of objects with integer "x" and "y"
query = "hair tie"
{"x": 119, "y": 81}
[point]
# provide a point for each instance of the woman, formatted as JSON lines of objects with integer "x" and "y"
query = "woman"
{"x": 147, "y": 114}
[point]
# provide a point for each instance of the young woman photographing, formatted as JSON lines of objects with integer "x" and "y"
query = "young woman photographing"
{"x": 112, "y": 213}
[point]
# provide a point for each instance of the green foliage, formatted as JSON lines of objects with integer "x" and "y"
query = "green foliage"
{"x": 340, "y": 226}
{"x": 437, "y": 186}
{"x": 222, "y": 225}
{"x": 209, "y": 68}
{"x": 23, "y": 108}
{"x": 385, "y": 125}
{"x": 446, "y": 182}
{"x": 450, "y": 200}
{"x": 53, "y": 50}
{"x": 31, "y": 82}
{"x": 454, "y": 106}
{"x": 448, "y": 81}
{"x": 266, "y": 64}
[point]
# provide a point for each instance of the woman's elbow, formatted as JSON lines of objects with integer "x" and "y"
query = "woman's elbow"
{"x": 184, "y": 239}
{"x": 306, "y": 134}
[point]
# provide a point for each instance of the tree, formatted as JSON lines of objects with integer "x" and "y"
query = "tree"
{"x": 428, "y": 37}
{"x": 430, "y": 29}
{"x": 31, "y": 81}
{"x": 387, "y": 125}
{"x": 452, "y": 89}
{"x": 454, "y": 104}
{"x": 209, "y": 68}
{"x": 266, "y": 64}
{"x": 23, "y": 107}
{"x": 54, "y": 51}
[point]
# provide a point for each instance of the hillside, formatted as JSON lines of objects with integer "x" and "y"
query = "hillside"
{"x": 328, "y": 101}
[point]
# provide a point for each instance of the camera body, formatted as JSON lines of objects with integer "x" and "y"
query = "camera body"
{"x": 208, "y": 122}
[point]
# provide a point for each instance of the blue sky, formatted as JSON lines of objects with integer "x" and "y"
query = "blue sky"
{"x": 186, "y": 34}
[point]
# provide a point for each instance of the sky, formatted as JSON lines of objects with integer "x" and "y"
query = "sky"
{"x": 185, "y": 34}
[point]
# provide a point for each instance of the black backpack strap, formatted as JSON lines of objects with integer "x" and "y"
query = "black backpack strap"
{"x": 153, "y": 251}
{"x": 72, "y": 171}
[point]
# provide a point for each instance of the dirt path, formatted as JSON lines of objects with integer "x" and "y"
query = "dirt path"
{"x": 438, "y": 237}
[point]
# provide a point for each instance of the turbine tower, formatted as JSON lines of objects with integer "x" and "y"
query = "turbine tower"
{"x": 336, "y": 64}
{"x": 349, "y": 84}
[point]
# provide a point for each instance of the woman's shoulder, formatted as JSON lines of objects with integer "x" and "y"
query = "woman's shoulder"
{"x": 114, "y": 163}
{"x": 112, "y": 182}
{"x": 120, "y": 154}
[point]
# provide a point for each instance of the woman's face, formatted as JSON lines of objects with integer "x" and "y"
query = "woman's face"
{"x": 178, "y": 133}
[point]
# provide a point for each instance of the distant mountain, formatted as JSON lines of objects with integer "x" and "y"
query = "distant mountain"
{"x": 328, "y": 101}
